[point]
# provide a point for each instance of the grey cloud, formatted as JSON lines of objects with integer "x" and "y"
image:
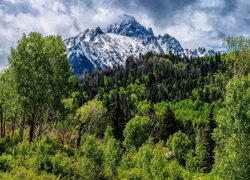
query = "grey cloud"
{"x": 167, "y": 13}
{"x": 192, "y": 22}
{"x": 18, "y": 7}
{"x": 221, "y": 34}
{"x": 161, "y": 11}
{"x": 229, "y": 6}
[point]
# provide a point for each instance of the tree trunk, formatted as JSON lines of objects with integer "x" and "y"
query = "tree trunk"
{"x": 1, "y": 111}
{"x": 21, "y": 132}
{"x": 79, "y": 135}
{"x": 39, "y": 131}
{"x": 4, "y": 120}
{"x": 32, "y": 127}
{"x": 52, "y": 131}
{"x": 13, "y": 125}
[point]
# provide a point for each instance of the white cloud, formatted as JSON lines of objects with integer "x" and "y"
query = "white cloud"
{"x": 197, "y": 24}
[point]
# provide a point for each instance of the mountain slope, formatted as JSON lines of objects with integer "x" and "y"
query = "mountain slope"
{"x": 114, "y": 44}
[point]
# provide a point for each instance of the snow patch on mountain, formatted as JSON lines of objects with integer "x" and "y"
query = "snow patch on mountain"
{"x": 114, "y": 44}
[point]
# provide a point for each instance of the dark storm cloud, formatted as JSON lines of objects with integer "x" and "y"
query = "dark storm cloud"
{"x": 161, "y": 11}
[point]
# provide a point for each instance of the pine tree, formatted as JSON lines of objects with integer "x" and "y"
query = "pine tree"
{"x": 117, "y": 118}
{"x": 207, "y": 144}
{"x": 167, "y": 124}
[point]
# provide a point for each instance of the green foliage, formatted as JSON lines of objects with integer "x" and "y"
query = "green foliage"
{"x": 6, "y": 144}
{"x": 90, "y": 117}
{"x": 205, "y": 144}
{"x": 22, "y": 149}
{"x": 201, "y": 153}
{"x": 180, "y": 144}
{"x": 167, "y": 124}
{"x": 108, "y": 134}
{"x": 112, "y": 153}
{"x": 152, "y": 162}
{"x": 239, "y": 55}
{"x": 185, "y": 93}
{"x": 191, "y": 163}
{"x": 175, "y": 171}
{"x": 191, "y": 110}
{"x": 43, "y": 160}
{"x": 148, "y": 163}
{"x": 6, "y": 163}
{"x": 232, "y": 132}
{"x": 21, "y": 173}
{"x": 116, "y": 115}
{"x": 137, "y": 132}
{"x": 9, "y": 104}
{"x": 85, "y": 168}
{"x": 105, "y": 80}
{"x": 60, "y": 165}
{"x": 143, "y": 107}
{"x": 41, "y": 75}
{"x": 90, "y": 149}
{"x": 159, "y": 108}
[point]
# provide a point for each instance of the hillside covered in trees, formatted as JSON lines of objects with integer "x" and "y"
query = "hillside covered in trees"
{"x": 156, "y": 117}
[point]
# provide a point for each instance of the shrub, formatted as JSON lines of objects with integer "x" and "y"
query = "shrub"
{"x": 134, "y": 173}
{"x": 21, "y": 173}
{"x": 6, "y": 163}
{"x": 6, "y": 144}
{"x": 191, "y": 163}
{"x": 84, "y": 168}
{"x": 201, "y": 153}
{"x": 108, "y": 134}
{"x": 22, "y": 149}
{"x": 90, "y": 149}
{"x": 60, "y": 165}
{"x": 149, "y": 161}
{"x": 175, "y": 171}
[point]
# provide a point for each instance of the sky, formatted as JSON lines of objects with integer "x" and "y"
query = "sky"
{"x": 193, "y": 23}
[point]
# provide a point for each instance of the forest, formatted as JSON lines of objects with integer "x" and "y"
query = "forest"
{"x": 156, "y": 117}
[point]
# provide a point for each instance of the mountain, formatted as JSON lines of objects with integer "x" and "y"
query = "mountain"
{"x": 201, "y": 52}
{"x": 114, "y": 44}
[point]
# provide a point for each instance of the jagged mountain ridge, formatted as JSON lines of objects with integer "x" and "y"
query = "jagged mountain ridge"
{"x": 114, "y": 44}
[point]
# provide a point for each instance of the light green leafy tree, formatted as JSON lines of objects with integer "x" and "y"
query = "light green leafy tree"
{"x": 239, "y": 55}
{"x": 90, "y": 117}
{"x": 112, "y": 153}
{"x": 41, "y": 74}
{"x": 233, "y": 131}
{"x": 180, "y": 144}
{"x": 137, "y": 132}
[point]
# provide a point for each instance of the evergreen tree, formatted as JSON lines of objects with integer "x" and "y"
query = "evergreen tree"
{"x": 117, "y": 118}
{"x": 167, "y": 124}
{"x": 209, "y": 143}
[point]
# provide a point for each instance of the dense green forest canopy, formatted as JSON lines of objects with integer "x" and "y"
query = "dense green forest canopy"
{"x": 156, "y": 117}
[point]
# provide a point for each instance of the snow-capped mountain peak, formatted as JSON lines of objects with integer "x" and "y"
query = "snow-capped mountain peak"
{"x": 114, "y": 44}
{"x": 128, "y": 26}
{"x": 201, "y": 51}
